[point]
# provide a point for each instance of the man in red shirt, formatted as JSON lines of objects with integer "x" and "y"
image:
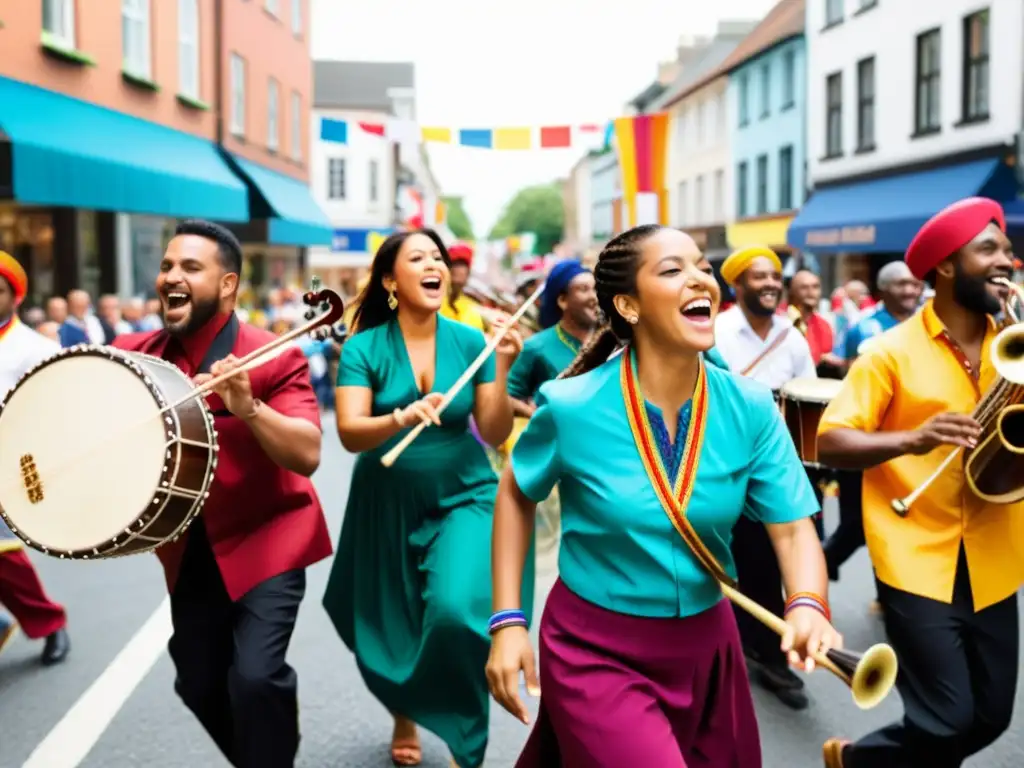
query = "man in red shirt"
{"x": 804, "y": 299}
{"x": 237, "y": 576}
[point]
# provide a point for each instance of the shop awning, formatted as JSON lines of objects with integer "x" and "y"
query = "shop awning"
{"x": 293, "y": 216}
{"x": 883, "y": 215}
{"x": 67, "y": 152}
{"x": 770, "y": 232}
{"x": 1014, "y": 214}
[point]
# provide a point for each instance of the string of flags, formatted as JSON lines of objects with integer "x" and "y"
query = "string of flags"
{"x": 514, "y": 137}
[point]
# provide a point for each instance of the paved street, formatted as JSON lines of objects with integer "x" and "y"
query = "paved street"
{"x": 109, "y": 602}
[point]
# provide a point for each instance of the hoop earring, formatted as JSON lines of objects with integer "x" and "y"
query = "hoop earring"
{"x": 392, "y": 300}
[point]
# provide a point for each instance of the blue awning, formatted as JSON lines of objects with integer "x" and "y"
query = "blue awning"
{"x": 294, "y": 218}
{"x": 68, "y": 152}
{"x": 1014, "y": 211}
{"x": 883, "y": 215}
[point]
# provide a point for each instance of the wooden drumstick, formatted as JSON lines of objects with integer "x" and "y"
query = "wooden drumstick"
{"x": 391, "y": 456}
{"x": 902, "y": 506}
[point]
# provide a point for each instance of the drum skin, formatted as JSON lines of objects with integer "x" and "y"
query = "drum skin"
{"x": 803, "y": 403}
{"x": 89, "y": 466}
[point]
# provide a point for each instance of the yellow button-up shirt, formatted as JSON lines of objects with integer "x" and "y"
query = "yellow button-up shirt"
{"x": 464, "y": 310}
{"x": 911, "y": 373}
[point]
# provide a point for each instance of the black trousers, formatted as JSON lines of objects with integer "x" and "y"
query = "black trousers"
{"x": 958, "y": 679}
{"x": 848, "y": 536}
{"x": 757, "y": 570}
{"x": 230, "y": 658}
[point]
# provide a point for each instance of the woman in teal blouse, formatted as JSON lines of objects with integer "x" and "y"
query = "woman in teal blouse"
{"x": 409, "y": 591}
{"x": 640, "y": 656}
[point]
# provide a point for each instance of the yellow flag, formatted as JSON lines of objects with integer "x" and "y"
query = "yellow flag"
{"x": 513, "y": 138}
{"x": 442, "y": 135}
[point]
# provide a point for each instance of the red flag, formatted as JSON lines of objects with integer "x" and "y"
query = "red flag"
{"x": 556, "y": 136}
{"x": 377, "y": 129}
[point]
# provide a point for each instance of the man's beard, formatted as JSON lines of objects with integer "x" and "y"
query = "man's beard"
{"x": 970, "y": 292}
{"x": 202, "y": 312}
{"x": 583, "y": 320}
{"x": 752, "y": 301}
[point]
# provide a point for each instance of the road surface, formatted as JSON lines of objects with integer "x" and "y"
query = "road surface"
{"x": 111, "y": 704}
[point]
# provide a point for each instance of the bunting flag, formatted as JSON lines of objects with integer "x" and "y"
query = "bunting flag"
{"x": 504, "y": 138}
{"x": 642, "y": 144}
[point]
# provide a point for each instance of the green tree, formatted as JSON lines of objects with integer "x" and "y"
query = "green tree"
{"x": 458, "y": 220}
{"x": 534, "y": 209}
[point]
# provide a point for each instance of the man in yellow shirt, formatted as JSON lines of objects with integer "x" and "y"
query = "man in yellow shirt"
{"x": 948, "y": 570}
{"x": 458, "y": 306}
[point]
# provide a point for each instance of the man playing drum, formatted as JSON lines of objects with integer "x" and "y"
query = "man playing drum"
{"x": 237, "y": 576}
{"x": 21, "y": 592}
{"x": 756, "y": 341}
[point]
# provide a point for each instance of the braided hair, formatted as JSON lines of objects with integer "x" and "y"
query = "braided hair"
{"x": 614, "y": 275}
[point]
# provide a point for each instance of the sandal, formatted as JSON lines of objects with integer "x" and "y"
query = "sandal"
{"x": 406, "y": 752}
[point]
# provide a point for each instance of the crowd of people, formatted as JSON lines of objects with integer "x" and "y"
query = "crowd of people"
{"x": 640, "y": 412}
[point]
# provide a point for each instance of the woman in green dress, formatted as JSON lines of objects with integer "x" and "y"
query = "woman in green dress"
{"x": 409, "y": 591}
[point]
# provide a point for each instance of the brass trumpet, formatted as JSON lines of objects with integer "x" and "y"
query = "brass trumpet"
{"x": 870, "y": 675}
{"x": 993, "y": 466}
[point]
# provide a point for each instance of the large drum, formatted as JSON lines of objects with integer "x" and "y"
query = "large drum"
{"x": 96, "y": 458}
{"x": 803, "y": 402}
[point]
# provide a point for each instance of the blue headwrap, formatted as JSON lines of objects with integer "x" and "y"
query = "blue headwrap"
{"x": 558, "y": 283}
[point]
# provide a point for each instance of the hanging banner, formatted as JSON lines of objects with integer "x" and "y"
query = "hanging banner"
{"x": 642, "y": 145}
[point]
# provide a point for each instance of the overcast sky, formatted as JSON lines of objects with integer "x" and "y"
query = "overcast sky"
{"x": 537, "y": 62}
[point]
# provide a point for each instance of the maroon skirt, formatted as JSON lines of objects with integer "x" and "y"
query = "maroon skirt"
{"x": 620, "y": 691}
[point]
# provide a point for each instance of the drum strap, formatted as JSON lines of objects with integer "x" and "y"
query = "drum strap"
{"x": 776, "y": 342}
{"x": 222, "y": 345}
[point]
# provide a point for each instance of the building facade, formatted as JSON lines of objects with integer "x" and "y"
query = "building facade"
{"x": 907, "y": 112}
{"x": 356, "y": 181}
{"x": 766, "y": 107}
{"x": 605, "y": 195}
{"x": 115, "y": 120}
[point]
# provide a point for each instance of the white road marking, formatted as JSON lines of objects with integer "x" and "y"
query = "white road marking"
{"x": 68, "y": 744}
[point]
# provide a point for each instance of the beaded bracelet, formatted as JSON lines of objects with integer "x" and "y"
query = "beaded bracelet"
{"x": 510, "y": 618}
{"x": 808, "y": 600}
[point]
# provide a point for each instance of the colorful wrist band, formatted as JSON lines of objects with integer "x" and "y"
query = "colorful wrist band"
{"x": 808, "y": 600}
{"x": 509, "y": 618}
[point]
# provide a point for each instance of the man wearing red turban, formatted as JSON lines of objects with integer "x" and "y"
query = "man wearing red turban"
{"x": 458, "y": 306}
{"x": 948, "y": 564}
{"x": 21, "y": 591}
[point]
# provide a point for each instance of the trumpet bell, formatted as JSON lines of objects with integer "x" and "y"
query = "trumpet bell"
{"x": 871, "y": 674}
{"x": 1008, "y": 354}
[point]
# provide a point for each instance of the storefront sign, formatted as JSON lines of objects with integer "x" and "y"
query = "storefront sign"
{"x": 359, "y": 240}
{"x": 863, "y": 235}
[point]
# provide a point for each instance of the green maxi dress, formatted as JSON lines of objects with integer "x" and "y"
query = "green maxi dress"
{"x": 410, "y": 588}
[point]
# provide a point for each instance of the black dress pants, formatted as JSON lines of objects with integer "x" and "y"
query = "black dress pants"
{"x": 759, "y": 578}
{"x": 848, "y": 536}
{"x": 230, "y": 658}
{"x": 958, "y": 679}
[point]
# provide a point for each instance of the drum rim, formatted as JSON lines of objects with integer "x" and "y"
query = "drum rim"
{"x": 786, "y": 393}
{"x": 127, "y": 359}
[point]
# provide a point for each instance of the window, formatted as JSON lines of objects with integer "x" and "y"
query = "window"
{"x": 866, "y": 104}
{"x": 741, "y": 189}
{"x": 188, "y": 48}
{"x": 701, "y": 123}
{"x": 833, "y": 12}
{"x": 296, "y": 127}
{"x": 762, "y": 184}
{"x": 237, "y": 95}
{"x": 719, "y": 204}
{"x": 788, "y": 79}
{"x": 744, "y": 94}
{"x": 834, "y": 115}
{"x": 374, "y": 181}
{"x": 271, "y": 6}
{"x": 273, "y": 114}
{"x": 59, "y": 21}
{"x": 929, "y": 80}
{"x": 975, "y": 86}
{"x": 336, "y": 178}
{"x": 135, "y": 38}
{"x": 699, "y": 200}
{"x": 766, "y": 90}
{"x": 786, "y": 178}
{"x": 683, "y": 207}
{"x": 296, "y": 17}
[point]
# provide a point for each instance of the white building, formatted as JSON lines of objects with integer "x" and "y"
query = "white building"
{"x": 356, "y": 182}
{"x": 910, "y": 106}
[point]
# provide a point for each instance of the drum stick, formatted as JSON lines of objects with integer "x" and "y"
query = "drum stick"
{"x": 902, "y": 506}
{"x": 774, "y": 623}
{"x": 391, "y": 456}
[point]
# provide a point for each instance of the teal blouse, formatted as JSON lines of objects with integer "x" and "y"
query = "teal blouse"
{"x": 619, "y": 549}
{"x": 544, "y": 356}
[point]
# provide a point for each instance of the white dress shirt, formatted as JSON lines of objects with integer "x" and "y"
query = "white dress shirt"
{"x": 21, "y": 348}
{"x": 740, "y": 345}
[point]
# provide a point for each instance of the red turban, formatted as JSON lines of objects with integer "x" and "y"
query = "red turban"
{"x": 15, "y": 275}
{"x": 949, "y": 230}
{"x": 460, "y": 251}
